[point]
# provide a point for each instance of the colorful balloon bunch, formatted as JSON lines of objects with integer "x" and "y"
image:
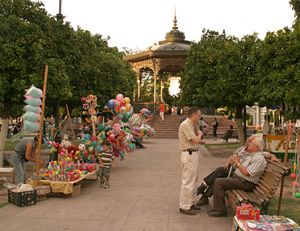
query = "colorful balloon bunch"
{"x": 87, "y": 149}
{"x": 147, "y": 131}
{"x": 32, "y": 114}
{"x": 89, "y": 106}
{"x": 145, "y": 112}
{"x": 120, "y": 107}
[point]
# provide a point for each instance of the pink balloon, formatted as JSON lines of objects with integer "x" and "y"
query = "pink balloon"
{"x": 120, "y": 97}
{"x": 295, "y": 183}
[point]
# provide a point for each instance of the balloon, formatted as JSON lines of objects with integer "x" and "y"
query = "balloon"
{"x": 126, "y": 100}
{"x": 128, "y": 107}
{"x": 111, "y": 103}
{"x": 123, "y": 109}
{"x": 295, "y": 183}
{"x": 117, "y": 104}
{"x": 120, "y": 97}
{"x": 297, "y": 194}
{"x": 101, "y": 127}
{"x": 293, "y": 175}
{"x": 120, "y": 116}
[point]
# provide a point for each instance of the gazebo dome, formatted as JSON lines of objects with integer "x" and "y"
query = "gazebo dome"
{"x": 175, "y": 35}
{"x": 170, "y": 46}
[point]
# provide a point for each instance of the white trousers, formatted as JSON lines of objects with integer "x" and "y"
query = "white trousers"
{"x": 162, "y": 115}
{"x": 189, "y": 179}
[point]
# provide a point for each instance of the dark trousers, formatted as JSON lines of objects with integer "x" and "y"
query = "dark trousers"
{"x": 221, "y": 185}
{"x": 210, "y": 179}
{"x": 215, "y": 132}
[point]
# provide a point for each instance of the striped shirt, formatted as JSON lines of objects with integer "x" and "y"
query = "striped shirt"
{"x": 106, "y": 158}
{"x": 255, "y": 163}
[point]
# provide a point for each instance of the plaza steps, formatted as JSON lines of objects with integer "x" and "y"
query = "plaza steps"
{"x": 169, "y": 127}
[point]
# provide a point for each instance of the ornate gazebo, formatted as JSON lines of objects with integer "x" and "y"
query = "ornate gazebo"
{"x": 168, "y": 56}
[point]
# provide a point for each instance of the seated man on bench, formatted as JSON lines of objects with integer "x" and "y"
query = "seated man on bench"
{"x": 247, "y": 164}
{"x": 228, "y": 134}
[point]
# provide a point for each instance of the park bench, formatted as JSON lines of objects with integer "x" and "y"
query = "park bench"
{"x": 233, "y": 134}
{"x": 264, "y": 191}
{"x": 230, "y": 133}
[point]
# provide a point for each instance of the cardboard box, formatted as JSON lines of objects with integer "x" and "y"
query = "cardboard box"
{"x": 76, "y": 190}
{"x": 247, "y": 212}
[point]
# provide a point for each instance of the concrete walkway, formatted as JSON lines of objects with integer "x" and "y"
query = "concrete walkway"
{"x": 143, "y": 196}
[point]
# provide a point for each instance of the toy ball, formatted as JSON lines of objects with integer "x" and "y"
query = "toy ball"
{"x": 82, "y": 147}
{"x": 101, "y": 127}
{"x": 94, "y": 138}
{"x": 293, "y": 175}
{"x": 297, "y": 194}
{"x": 87, "y": 137}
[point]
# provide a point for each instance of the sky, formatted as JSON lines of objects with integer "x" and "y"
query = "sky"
{"x": 138, "y": 24}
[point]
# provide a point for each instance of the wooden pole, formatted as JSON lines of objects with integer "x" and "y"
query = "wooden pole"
{"x": 39, "y": 146}
{"x": 93, "y": 124}
{"x": 288, "y": 137}
{"x": 70, "y": 121}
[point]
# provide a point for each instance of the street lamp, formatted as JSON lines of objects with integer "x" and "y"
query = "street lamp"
{"x": 59, "y": 16}
{"x": 174, "y": 88}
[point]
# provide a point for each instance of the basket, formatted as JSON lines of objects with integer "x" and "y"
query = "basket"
{"x": 22, "y": 199}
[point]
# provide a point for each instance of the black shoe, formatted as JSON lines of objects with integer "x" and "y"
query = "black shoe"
{"x": 203, "y": 201}
{"x": 201, "y": 189}
{"x": 196, "y": 208}
{"x": 187, "y": 212}
{"x": 217, "y": 213}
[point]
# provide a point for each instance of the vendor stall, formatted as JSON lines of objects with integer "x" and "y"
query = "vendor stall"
{"x": 266, "y": 222}
{"x": 276, "y": 144}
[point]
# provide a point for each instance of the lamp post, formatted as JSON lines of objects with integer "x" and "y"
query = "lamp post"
{"x": 59, "y": 16}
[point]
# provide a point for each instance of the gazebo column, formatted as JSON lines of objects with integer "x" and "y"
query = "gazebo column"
{"x": 154, "y": 79}
{"x": 154, "y": 87}
{"x": 161, "y": 91}
{"x": 138, "y": 89}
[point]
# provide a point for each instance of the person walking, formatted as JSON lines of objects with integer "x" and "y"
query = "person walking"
{"x": 162, "y": 110}
{"x": 215, "y": 127}
{"x": 190, "y": 137}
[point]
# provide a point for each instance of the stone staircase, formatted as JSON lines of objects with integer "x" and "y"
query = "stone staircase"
{"x": 169, "y": 127}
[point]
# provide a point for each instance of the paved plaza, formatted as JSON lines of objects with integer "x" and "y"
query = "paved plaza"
{"x": 143, "y": 196}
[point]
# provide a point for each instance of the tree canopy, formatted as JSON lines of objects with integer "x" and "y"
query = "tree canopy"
{"x": 79, "y": 63}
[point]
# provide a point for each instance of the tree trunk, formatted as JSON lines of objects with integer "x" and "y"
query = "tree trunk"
{"x": 3, "y": 134}
{"x": 239, "y": 123}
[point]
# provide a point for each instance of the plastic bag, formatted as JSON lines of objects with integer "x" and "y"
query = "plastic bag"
{"x": 25, "y": 188}
{"x": 34, "y": 92}
{"x": 33, "y": 101}
{"x": 31, "y": 116}
{"x": 32, "y": 109}
{"x": 31, "y": 126}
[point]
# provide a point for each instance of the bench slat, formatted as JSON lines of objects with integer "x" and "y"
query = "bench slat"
{"x": 266, "y": 188}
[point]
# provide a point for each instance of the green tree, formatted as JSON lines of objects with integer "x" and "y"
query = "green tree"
{"x": 220, "y": 72}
